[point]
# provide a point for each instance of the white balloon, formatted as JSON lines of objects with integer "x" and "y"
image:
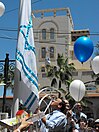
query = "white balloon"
{"x": 2, "y": 9}
{"x": 95, "y": 65}
{"x": 77, "y": 90}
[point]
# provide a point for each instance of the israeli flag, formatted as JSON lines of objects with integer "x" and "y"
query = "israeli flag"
{"x": 26, "y": 81}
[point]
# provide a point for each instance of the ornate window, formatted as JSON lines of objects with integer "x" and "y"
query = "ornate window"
{"x": 42, "y": 69}
{"x": 52, "y": 33}
{"x": 54, "y": 83}
{"x": 52, "y": 52}
{"x": 44, "y": 34}
{"x": 43, "y": 52}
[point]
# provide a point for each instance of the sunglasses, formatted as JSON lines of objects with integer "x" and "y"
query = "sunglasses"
{"x": 79, "y": 106}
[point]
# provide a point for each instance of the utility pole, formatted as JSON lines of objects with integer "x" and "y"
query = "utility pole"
{"x": 6, "y": 68}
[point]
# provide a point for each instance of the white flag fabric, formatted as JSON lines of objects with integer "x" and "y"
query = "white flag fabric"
{"x": 26, "y": 81}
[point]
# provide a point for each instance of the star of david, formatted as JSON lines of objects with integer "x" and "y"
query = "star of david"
{"x": 27, "y": 46}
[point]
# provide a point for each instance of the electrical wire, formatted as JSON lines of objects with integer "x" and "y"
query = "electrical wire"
{"x": 36, "y": 1}
{"x": 39, "y": 31}
{"x": 17, "y": 8}
{"x": 3, "y": 29}
{"x": 39, "y": 42}
{"x": 9, "y": 38}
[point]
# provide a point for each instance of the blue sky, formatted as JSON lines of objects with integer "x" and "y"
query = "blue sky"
{"x": 85, "y": 14}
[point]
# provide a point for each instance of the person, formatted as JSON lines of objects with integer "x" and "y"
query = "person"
{"x": 96, "y": 125}
{"x": 56, "y": 120}
{"x": 90, "y": 125}
{"x": 82, "y": 124}
{"x": 53, "y": 122}
{"x": 67, "y": 108}
{"x": 77, "y": 113}
{"x": 68, "y": 114}
{"x": 70, "y": 127}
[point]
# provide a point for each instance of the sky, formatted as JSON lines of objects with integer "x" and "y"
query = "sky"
{"x": 85, "y": 15}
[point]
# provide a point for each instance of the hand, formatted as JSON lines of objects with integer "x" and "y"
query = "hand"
{"x": 23, "y": 125}
{"x": 44, "y": 120}
{"x": 69, "y": 113}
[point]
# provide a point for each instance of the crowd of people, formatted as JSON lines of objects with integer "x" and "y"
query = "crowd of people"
{"x": 64, "y": 119}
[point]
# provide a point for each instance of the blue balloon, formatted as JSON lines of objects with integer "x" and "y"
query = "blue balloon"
{"x": 83, "y": 48}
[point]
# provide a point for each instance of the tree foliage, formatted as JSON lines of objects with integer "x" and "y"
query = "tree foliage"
{"x": 63, "y": 70}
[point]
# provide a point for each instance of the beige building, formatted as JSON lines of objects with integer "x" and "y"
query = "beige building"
{"x": 52, "y": 36}
{"x": 54, "y": 33}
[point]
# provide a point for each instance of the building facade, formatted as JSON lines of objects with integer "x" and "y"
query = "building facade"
{"x": 54, "y": 33}
{"x": 52, "y": 36}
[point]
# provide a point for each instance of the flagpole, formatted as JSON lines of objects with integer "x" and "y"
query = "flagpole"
{"x": 15, "y": 105}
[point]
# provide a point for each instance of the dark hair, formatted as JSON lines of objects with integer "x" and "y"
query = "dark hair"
{"x": 63, "y": 106}
{"x": 91, "y": 122}
{"x": 82, "y": 119}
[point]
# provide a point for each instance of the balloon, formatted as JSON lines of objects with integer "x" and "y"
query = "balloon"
{"x": 77, "y": 90}
{"x": 2, "y": 9}
{"x": 83, "y": 48}
{"x": 95, "y": 65}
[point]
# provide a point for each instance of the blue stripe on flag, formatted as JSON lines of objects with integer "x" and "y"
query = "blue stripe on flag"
{"x": 31, "y": 80}
{"x": 32, "y": 102}
{"x": 28, "y": 69}
{"x": 28, "y": 99}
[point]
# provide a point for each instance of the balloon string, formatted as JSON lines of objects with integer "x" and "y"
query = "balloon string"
{"x": 81, "y": 72}
{"x": 80, "y": 85}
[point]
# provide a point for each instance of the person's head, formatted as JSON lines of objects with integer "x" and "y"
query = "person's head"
{"x": 90, "y": 122}
{"x": 96, "y": 125}
{"x": 82, "y": 122}
{"x": 78, "y": 107}
{"x": 58, "y": 104}
{"x": 67, "y": 104}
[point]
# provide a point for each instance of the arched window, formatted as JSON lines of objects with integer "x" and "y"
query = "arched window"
{"x": 97, "y": 81}
{"x": 54, "y": 83}
{"x": 44, "y": 34}
{"x": 52, "y": 33}
{"x": 42, "y": 69}
{"x": 43, "y": 52}
{"x": 51, "y": 52}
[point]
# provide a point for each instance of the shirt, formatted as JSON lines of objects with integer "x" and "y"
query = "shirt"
{"x": 55, "y": 122}
{"x": 76, "y": 118}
